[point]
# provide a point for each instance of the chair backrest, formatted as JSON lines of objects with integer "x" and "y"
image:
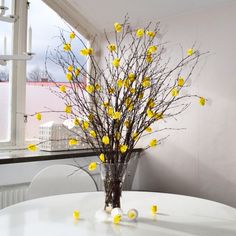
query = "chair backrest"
{"x": 60, "y": 179}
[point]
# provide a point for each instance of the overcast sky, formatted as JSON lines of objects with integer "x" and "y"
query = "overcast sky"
{"x": 45, "y": 25}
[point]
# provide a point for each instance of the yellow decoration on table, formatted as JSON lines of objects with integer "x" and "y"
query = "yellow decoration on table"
{"x": 102, "y": 157}
{"x": 77, "y": 71}
{"x": 135, "y": 136}
{"x": 111, "y": 47}
{"x": 73, "y": 141}
{"x": 116, "y": 219}
{"x": 93, "y": 133}
{"x": 38, "y": 116}
{"x": 117, "y": 27}
{"x": 180, "y": 82}
{"x": 85, "y": 125}
{"x": 68, "y": 109}
{"x": 150, "y": 34}
{"x": 174, "y": 92}
{"x": 152, "y": 49}
{"x": 150, "y": 113}
{"x": 97, "y": 87}
{"x": 123, "y": 148}
{"x": 140, "y": 33}
{"x": 202, "y": 101}
{"x": 69, "y": 77}
{"x": 116, "y": 115}
{"x": 153, "y": 143}
{"x": 105, "y": 140}
{"x": 149, "y": 58}
{"x": 190, "y": 52}
{"x": 76, "y": 121}
{"x": 89, "y": 88}
{"x": 116, "y": 62}
{"x": 76, "y": 215}
{"x": 67, "y": 47}
{"x": 70, "y": 68}
{"x": 72, "y": 35}
{"x": 119, "y": 83}
{"x": 92, "y": 166}
{"x": 148, "y": 129}
{"x": 32, "y": 147}
{"x": 62, "y": 88}
{"x": 146, "y": 82}
{"x": 86, "y": 51}
{"x": 154, "y": 209}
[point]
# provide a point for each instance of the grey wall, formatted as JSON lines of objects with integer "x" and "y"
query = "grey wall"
{"x": 201, "y": 161}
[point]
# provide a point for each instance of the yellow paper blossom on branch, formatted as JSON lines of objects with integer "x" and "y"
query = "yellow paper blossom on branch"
{"x": 148, "y": 129}
{"x": 97, "y": 87}
{"x": 123, "y": 148}
{"x": 116, "y": 219}
{"x": 90, "y": 88}
{"x": 146, "y": 82}
{"x": 154, "y": 209}
{"x": 32, "y": 147}
{"x": 111, "y": 47}
{"x": 116, "y": 62}
{"x": 140, "y": 33}
{"x": 150, "y": 34}
{"x": 180, "y": 82}
{"x": 117, "y": 27}
{"x": 116, "y": 115}
{"x": 92, "y": 166}
{"x": 77, "y": 71}
{"x": 153, "y": 143}
{"x": 72, "y": 35}
{"x": 190, "y": 52}
{"x": 102, "y": 157}
{"x": 105, "y": 140}
{"x": 69, "y": 77}
{"x": 67, "y": 47}
{"x": 62, "y": 88}
{"x": 174, "y": 92}
{"x": 86, "y": 51}
{"x": 149, "y": 58}
{"x": 131, "y": 77}
{"x": 73, "y": 142}
{"x": 150, "y": 113}
{"x": 76, "y": 121}
{"x": 119, "y": 83}
{"x": 85, "y": 125}
{"x": 202, "y": 101}
{"x": 135, "y": 136}
{"x": 70, "y": 68}
{"x": 93, "y": 133}
{"x": 68, "y": 109}
{"x": 152, "y": 49}
{"x": 38, "y": 116}
{"x": 76, "y": 215}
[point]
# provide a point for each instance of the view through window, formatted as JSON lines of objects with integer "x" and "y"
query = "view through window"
{"x": 45, "y": 25}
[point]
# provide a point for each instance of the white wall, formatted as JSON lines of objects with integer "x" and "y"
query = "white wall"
{"x": 201, "y": 161}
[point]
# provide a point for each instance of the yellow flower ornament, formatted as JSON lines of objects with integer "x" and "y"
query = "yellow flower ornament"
{"x": 202, "y": 101}
{"x": 72, "y": 35}
{"x": 69, "y": 76}
{"x": 93, "y": 133}
{"x": 190, "y": 52}
{"x": 116, "y": 62}
{"x": 140, "y": 33}
{"x": 73, "y": 142}
{"x": 32, "y": 147}
{"x": 152, "y": 49}
{"x": 90, "y": 88}
{"x": 174, "y": 92}
{"x": 150, "y": 34}
{"x": 180, "y": 82}
{"x": 70, "y": 68}
{"x": 85, "y": 125}
{"x": 123, "y": 148}
{"x": 116, "y": 219}
{"x": 102, "y": 157}
{"x": 117, "y": 27}
{"x": 62, "y": 88}
{"x": 76, "y": 215}
{"x": 111, "y": 47}
{"x": 38, "y": 116}
{"x": 67, "y": 47}
{"x": 105, "y": 140}
{"x": 92, "y": 166}
{"x": 153, "y": 143}
{"x": 68, "y": 109}
{"x": 154, "y": 209}
{"x": 86, "y": 51}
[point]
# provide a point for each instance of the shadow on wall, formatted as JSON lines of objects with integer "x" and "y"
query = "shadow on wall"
{"x": 161, "y": 171}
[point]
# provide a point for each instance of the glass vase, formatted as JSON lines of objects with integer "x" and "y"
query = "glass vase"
{"x": 113, "y": 176}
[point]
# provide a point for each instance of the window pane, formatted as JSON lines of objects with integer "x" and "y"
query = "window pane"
{"x": 5, "y": 48}
{"x": 39, "y": 95}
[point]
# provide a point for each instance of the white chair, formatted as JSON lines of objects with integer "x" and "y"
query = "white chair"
{"x": 60, "y": 179}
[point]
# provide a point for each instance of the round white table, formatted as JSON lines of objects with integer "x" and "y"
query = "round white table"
{"x": 177, "y": 215}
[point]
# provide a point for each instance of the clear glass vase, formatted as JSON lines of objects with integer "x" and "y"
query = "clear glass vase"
{"x": 113, "y": 176}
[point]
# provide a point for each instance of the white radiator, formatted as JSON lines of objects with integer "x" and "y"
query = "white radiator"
{"x": 11, "y": 194}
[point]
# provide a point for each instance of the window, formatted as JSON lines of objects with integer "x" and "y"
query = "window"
{"x": 33, "y": 87}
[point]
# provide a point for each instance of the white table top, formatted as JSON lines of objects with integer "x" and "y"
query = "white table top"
{"x": 177, "y": 215}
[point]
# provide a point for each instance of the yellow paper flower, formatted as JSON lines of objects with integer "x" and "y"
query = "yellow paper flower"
{"x": 150, "y": 113}
{"x": 150, "y": 34}
{"x": 154, "y": 209}
{"x": 105, "y": 104}
{"x": 97, "y": 87}
{"x": 151, "y": 103}
{"x": 180, "y": 82}
{"x": 116, "y": 62}
{"x": 69, "y": 77}
{"x": 116, "y": 115}
{"x": 158, "y": 116}
{"x": 105, "y": 140}
{"x": 86, "y": 51}
{"x": 67, "y": 47}
{"x": 131, "y": 77}
{"x": 89, "y": 88}
{"x": 76, "y": 121}
{"x": 119, "y": 83}
{"x": 32, "y": 147}
{"x": 117, "y": 136}
{"x": 202, "y": 101}
{"x": 127, "y": 83}
{"x": 91, "y": 117}
{"x": 190, "y": 52}
{"x": 92, "y": 166}
{"x": 73, "y": 141}
{"x": 140, "y": 33}
{"x": 68, "y": 109}
{"x": 70, "y": 68}
{"x": 174, "y": 92}
{"x": 110, "y": 110}
{"x": 102, "y": 157}
{"x": 132, "y": 90}
{"x": 116, "y": 219}
{"x": 38, "y": 116}
{"x": 149, "y": 58}
{"x": 72, "y": 35}
{"x": 148, "y": 129}
{"x": 77, "y": 71}
{"x": 111, "y": 47}
{"x": 135, "y": 136}
{"x": 76, "y": 215}
{"x": 123, "y": 148}
{"x": 117, "y": 27}
{"x": 146, "y": 82}
{"x": 62, "y": 88}
{"x": 111, "y": 90}
{"x": 152, "y": 49}
{"x": 126, "y": 123}
{"x": 140, "y": 96}
{"x": 93, "y": 133}
{"x": 153, "y": 143}
{"x": 85, "y": 125}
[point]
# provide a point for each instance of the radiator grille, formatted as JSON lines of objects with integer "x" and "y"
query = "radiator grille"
{"x": 11, "y": 194}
